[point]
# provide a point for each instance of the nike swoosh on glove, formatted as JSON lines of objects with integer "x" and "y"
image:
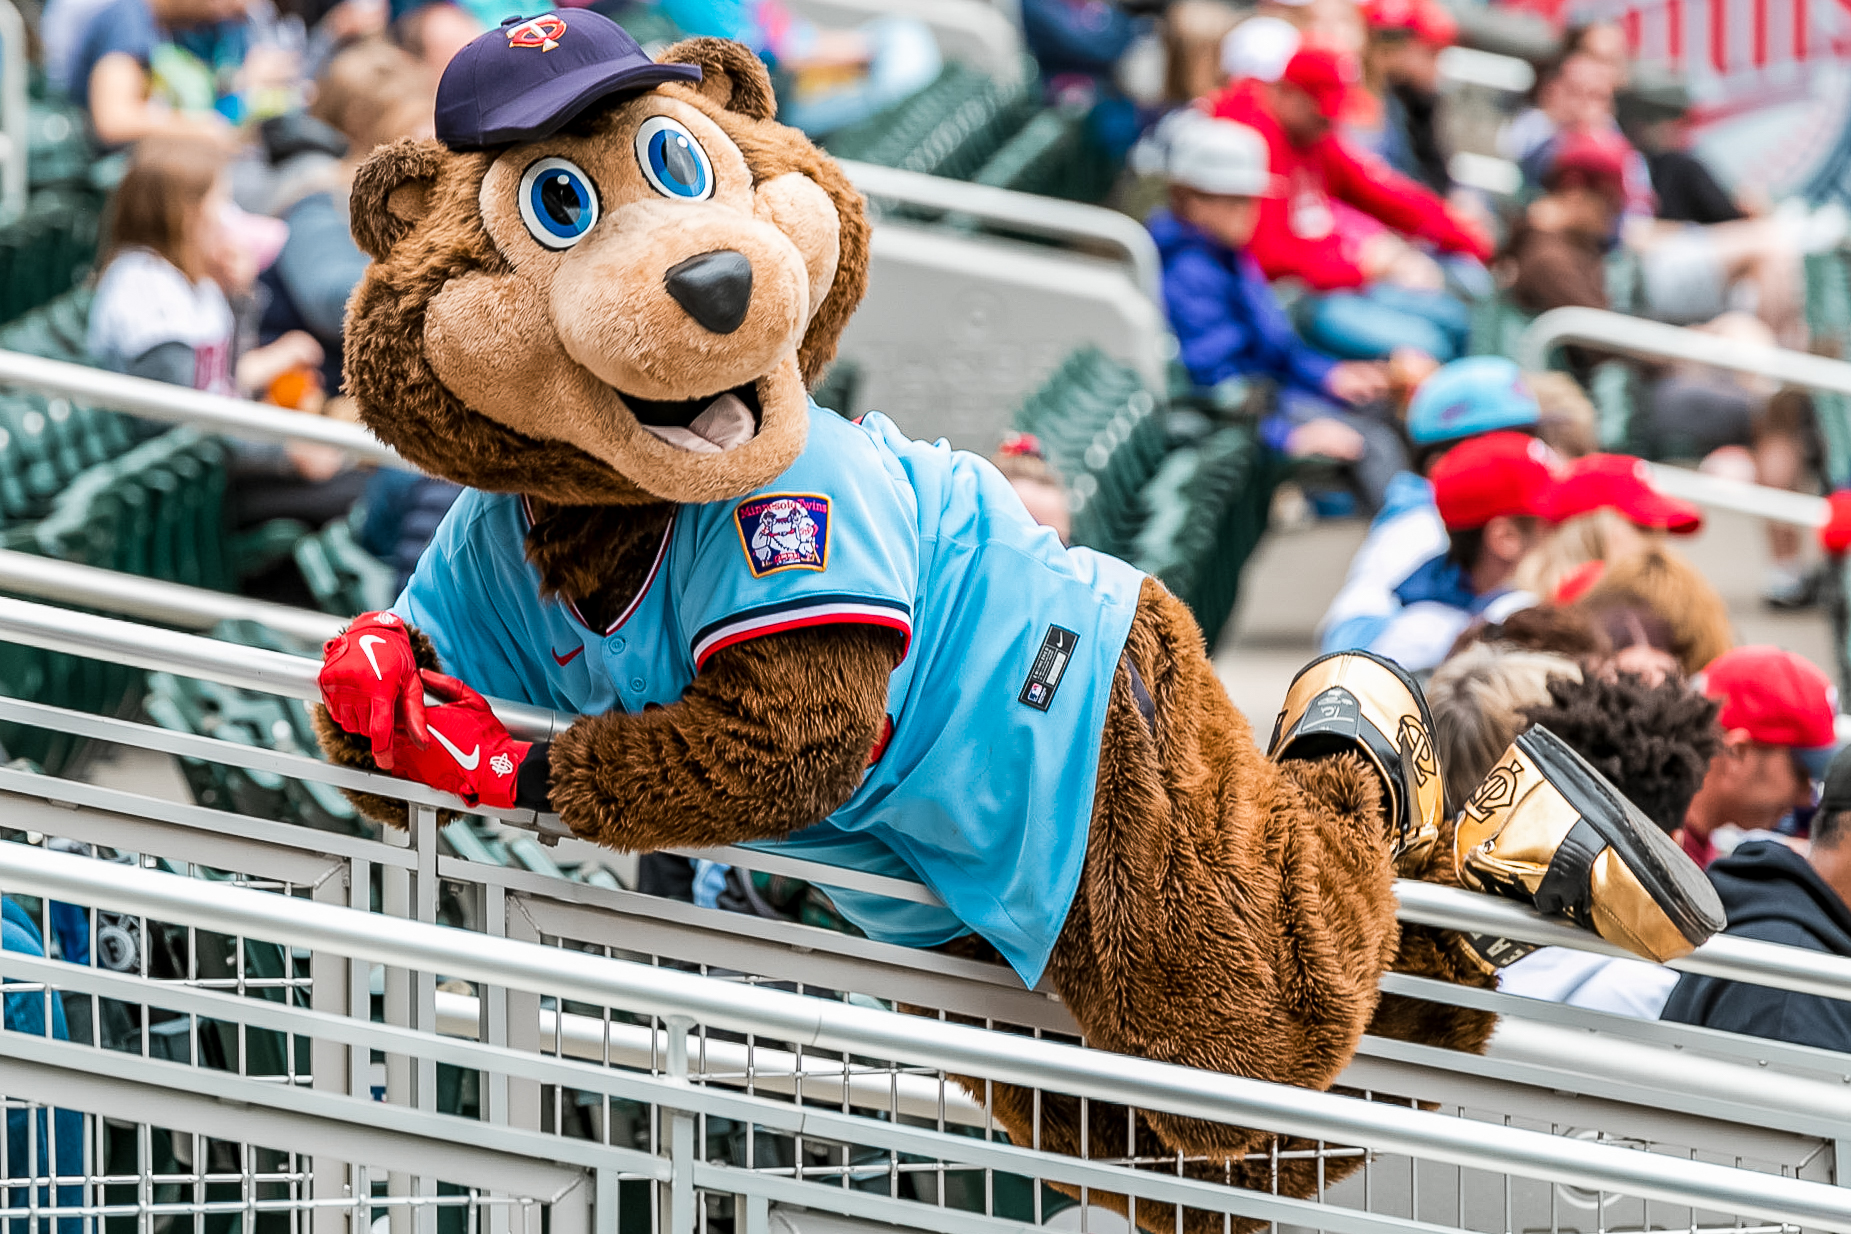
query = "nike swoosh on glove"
{"x": 369, "y": 680}
{"x": 469, "y": 754}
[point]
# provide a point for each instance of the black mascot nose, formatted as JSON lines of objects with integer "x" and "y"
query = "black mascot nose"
{"x": 715, "y": 288}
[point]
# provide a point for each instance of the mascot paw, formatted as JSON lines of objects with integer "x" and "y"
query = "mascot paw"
{"x": 1545, "y": 828}
{"x": 1355, "y": 701}
{"x": 347, "y": 749}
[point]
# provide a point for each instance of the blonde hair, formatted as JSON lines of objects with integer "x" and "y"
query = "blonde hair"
{"x": 1477, "y": 699}
{"x": 1566, "y": 418}
{"x": 1661, "y": 580}
{"x": 156, "y": 206}
{"x": 1599, "y": 535}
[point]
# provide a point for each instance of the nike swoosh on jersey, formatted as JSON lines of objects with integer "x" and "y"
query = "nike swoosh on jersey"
{"x": 466, "y": 761}
{"x": 366, "y": 645}
{"x": 570, "y": 656}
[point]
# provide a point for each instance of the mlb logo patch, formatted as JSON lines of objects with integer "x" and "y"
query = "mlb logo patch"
{"x": 784, "y": 531}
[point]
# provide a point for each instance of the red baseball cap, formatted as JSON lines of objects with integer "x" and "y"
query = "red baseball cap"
{"x": 1497, "y": 475}
{"x": 1778, "y": 699}
{"x": 1623, "y": 483}
{"x": 1322, "y": 75}
{"x": 1589, "y": 160}
{"x": 1426, "y": 20}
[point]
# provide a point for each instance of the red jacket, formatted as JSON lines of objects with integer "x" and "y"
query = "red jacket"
{"x": 1295, "y": 235}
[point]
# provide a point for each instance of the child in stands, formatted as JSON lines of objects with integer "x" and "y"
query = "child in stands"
{"x": 1229, "y": 324}
{"x": 160, "y": 311}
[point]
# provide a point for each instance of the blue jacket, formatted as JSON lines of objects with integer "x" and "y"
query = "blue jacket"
{"x": 1402, "y": 598}
{"x": 1226, "y": 317}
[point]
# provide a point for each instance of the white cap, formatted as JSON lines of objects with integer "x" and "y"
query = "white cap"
{"x": 1259, "y": 48}
{"x": 1217, "y": 156}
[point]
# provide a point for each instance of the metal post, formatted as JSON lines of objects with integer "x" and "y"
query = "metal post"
{"x": 14, "y": 112}
{"x": 330, "y": 990}
{"x": 681, "y": 1213}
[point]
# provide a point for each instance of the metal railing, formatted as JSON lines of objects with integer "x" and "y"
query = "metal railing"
{"x": 15, "y": 114}
{"x": 1051, "y": 217}
{"x": 567, "y": 1068}
{"x": 1653, "y": 340}
{"x": 156, "y": 400}
{"x": 683, "y": 1001}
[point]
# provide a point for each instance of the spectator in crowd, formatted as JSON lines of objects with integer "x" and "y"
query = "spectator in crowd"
{"x": 1659, "y": 580}
{"x": 1775, "y": 895}
{"x": 1259, "y": 48}
{"x": 1494, "y": 495}
{"x": 1025, "y": 465}
{"x": 1194, "y": 32}
{"x": 147, "y": 67}
{"x": 1558, "y": 570}
{"x": 371, "y": 93}
{"x": 1778, "y": 737}
{"x": 1652, "y": 113}
{"x": 1478, "y": 698}
{"x": 1555, "y": 256}
{"x": 1464, "y": 399}
{"x": 1603, "y": 42}
{"x": 1401, "y": 68}
{"x": 172, "y": 252}
{"x": 1229, "y": 324}
{"x": 1393, "y": 293}
{"x": 1655, "y": 743}
{"x": 160, "y": 309}
{"x": 1552, "y": 629}
{"x": 432, "y": 31}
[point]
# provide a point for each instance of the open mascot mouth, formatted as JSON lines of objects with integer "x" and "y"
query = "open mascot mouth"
{"x": 710, "y": 424}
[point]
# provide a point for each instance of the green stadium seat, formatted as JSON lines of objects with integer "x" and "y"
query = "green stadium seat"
{"x": 343, "y": 577}
{"x": 1054, "y": 156}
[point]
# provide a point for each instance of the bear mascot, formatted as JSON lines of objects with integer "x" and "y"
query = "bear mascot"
{"x": 597, "y": 301}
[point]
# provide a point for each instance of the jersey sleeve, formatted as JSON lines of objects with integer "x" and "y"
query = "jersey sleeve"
{"x": 821, "y": 547}
{"x": 454, "y": 597}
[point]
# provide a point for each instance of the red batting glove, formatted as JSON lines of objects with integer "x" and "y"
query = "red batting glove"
{"x": 369, "y": 679}
{"x": 1835, "y": 536}
{"x": 470, "y": 753}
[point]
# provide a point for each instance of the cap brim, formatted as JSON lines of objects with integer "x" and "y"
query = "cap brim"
{"x": 543, "y": 112}
{"x": 1816, "y": 759}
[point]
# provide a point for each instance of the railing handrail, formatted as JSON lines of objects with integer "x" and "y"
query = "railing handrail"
{"x": 210, "y": 659}
{"x": 158, "y": 400}
{"x": 156, "y": 600}
{"x": 272, "y": 672}
{"x": 827, "y": 1025}
{"x": 1654, "y": 340}
{"x": 1029, "y": 212}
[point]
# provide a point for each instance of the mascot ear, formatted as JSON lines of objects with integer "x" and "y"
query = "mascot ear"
{"x": 392, "y": 191}
{"x": 731, "y": 75}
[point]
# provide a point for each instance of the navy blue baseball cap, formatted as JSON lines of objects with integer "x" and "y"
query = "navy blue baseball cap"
{"x": 532, "y": 76}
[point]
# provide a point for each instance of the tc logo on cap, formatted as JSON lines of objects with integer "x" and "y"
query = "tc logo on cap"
{"x": 542, "y": 32}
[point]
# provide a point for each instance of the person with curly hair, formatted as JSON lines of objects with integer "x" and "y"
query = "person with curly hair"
{"x": 1655, "y": 742}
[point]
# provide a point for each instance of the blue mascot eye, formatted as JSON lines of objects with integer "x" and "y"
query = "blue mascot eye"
{"x": 672, "y": 161}
{"x": 558, "y": 202}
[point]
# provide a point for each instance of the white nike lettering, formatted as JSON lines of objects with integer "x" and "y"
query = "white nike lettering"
{"x": 366, "y": 645}
{"x": 466, "y": 761}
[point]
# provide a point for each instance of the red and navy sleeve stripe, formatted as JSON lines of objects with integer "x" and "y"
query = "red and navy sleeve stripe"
{"x": 816, "y": 610}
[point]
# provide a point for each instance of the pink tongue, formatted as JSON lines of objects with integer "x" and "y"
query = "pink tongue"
{"x": 726, "y": 423}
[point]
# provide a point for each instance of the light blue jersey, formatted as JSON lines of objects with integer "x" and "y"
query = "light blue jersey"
{"x": 984, "y": 791}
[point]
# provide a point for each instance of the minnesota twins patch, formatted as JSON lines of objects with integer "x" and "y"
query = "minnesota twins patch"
{"x": 784, "y": 531}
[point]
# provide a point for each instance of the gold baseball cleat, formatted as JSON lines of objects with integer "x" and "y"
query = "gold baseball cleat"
{"x": 1550, "y": 831}
{"x": 1355, "y": 701}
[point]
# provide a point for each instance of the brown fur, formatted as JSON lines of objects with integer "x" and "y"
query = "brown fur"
{"x": 1232, "y": 914}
